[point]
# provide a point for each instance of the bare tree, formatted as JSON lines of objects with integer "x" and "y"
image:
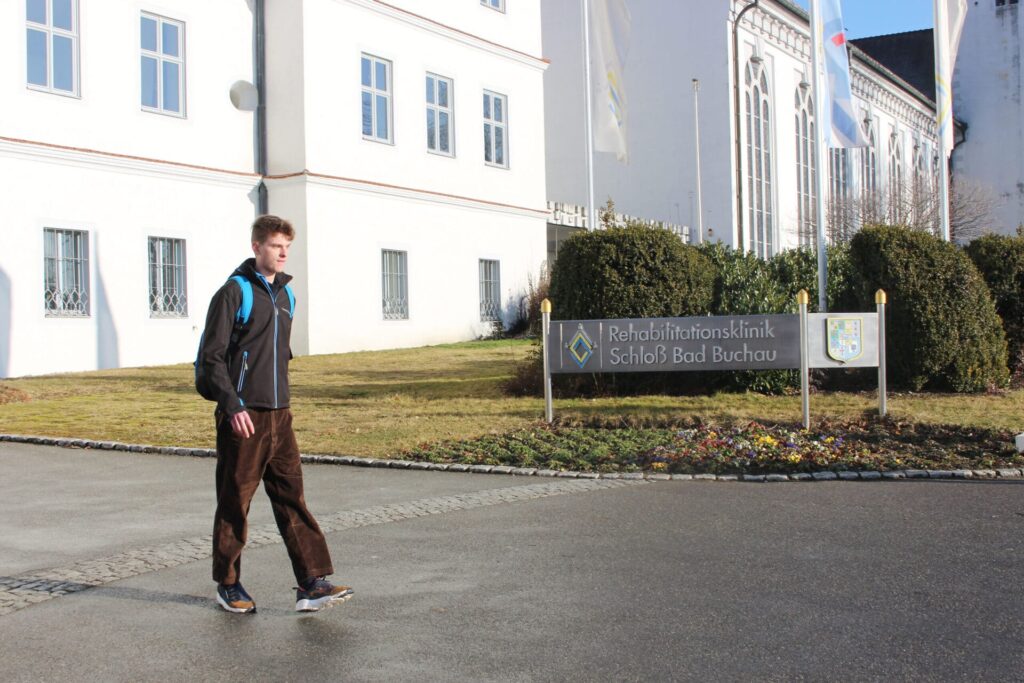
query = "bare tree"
{"x": 915, "y": 206}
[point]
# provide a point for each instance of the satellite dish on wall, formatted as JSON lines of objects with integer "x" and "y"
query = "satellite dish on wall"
{"x": 244, "y": 96}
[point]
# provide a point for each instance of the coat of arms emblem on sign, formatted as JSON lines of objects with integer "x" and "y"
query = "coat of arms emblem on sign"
{"x": 844, "y": 339}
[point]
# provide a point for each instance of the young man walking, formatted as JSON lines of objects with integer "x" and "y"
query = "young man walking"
{"x": 246, "y": 366}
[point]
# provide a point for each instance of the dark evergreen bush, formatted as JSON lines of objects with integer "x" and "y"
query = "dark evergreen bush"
{"x": 629, "y": 272}
{"x": 1000, "y": 259}
{"x": 941, "y": 324}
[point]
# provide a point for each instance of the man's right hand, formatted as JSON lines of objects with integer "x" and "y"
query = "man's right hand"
{"x": 241, "y": 425}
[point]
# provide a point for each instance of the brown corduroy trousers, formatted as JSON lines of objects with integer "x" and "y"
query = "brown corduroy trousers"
{"x": 270, "y": 455}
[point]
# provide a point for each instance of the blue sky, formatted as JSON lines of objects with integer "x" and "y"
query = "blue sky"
{"x": 876, "y": 17}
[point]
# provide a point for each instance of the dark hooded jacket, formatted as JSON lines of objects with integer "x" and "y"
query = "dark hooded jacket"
{"x": 252, "y": 370}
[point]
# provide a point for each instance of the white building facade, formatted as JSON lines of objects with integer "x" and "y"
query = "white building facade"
{"x": 756, "y": 118}
{"x": 404, "y": 139}
{"x": 987, "y": 85}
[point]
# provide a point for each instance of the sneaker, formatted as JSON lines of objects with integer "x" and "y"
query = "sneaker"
{"x": 318, "y": 593}
{"x": 233, "y": 598}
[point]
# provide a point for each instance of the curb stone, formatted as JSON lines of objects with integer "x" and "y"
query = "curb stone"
{"x": 824, "y": 475}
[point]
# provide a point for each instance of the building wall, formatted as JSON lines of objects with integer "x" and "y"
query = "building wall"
{"x": 673, "y": 43}
{"x": 987, "y": 86}
{"x": 95, "y": 161}
{"x": 354, "y": 197}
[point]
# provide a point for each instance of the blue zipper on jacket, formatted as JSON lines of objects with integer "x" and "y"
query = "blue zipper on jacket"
{"x": 273, "y": 304}
{"x": 241, "y": 373}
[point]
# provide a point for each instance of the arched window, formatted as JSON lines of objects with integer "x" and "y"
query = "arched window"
{"x": 806, "y": 173}
{"x": 920, "y": 195}
{"x": 869, "y": 166}
{"x": 760, "y": 207}
{"x": 840, "y": 209}
{"x": 896, "y": 209}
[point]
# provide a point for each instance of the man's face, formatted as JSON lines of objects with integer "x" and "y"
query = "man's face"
{"x": 272, "y": 254}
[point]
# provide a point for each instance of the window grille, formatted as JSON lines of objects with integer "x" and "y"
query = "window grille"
{"x": 490, "y": 290}
{"x": 66, "y": 272}
{"x": 167, "y": 278}
{"x": 494, "y": 4}
{"x": 395, "y": 284}
{"x": 51, "y": 45}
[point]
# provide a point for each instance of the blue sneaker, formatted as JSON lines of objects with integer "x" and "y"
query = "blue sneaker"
{"x": 318, "y": 593}
{"x": 233, "y": 598}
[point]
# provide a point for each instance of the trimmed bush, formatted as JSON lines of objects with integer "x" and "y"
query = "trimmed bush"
{"x": 629, "y": 272}
{"x": 1000, "y": 259}
{"x": 941, "y": 324}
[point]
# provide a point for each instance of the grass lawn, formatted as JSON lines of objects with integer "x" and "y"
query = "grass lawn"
{"x": 386, "y": 403}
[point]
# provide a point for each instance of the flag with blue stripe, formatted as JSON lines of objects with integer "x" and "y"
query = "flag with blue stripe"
{"x": 840, "y": 126}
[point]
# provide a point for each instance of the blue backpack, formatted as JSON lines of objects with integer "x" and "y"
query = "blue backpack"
{"x": 242, "y": 315}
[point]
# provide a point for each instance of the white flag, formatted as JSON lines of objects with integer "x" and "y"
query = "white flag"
{"x": 840, "y": 125}
{"x": 610, "y": 22}
{"x": 949, "y": 23}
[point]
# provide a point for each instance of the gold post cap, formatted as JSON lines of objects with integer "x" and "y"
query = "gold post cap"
{"x": 802, "y": 297}
{"x": 881, "y": 297}
{"x": 545, "y": 306}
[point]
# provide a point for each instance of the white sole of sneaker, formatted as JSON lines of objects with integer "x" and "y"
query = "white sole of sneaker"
{"x": 321, "y": 603}
{"x": 235, "y": 610}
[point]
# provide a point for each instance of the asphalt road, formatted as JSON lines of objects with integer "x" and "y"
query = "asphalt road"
{"x": 909, "y": 580}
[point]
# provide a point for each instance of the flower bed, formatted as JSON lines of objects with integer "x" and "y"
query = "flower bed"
{"x": 748, "y": 449}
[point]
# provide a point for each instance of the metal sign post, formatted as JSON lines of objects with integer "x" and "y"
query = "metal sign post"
{"x": 545, "y": 324}
{"x": 805, "y": 390}
{"x": 880, "y": 301}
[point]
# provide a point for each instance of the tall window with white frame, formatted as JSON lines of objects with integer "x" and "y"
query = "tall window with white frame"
{"x": 806, "y": 173}
{"x": 897, "y": 211}
{"x": 490, "y": 290}
{"x": 495, "y": 129}
{"x": 840, "y": 214}
{"x": 395, "y": 284}
{"x": 760, "y": 202}
{"x": 376, "y": 92}
{"x": 162, "y": 44}
{"x": 440, "y": 115}
{"x": 51, "y": 45}
{"x": 66, "y": 272}
{"x": 494, "y": 4}
{"x": 870, "y": 202}
{"x": 919, "y": 187}
{"x": 167, "y": 278}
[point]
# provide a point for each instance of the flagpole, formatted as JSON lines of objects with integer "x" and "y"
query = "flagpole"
{"x": 592, "y": 222}
{"x": 943, "y": 108}
{"x": 821, "y": 171}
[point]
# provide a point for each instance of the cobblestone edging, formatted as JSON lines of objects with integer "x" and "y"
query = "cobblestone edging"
{"x": 21, "y": 590}
{"x": 827, "y": 475}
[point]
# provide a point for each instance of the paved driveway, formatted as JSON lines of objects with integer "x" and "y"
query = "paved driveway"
{"x": 480, "y": 577}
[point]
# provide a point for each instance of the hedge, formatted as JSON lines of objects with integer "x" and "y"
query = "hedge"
{"x": 942, "y": 330}
{"x": 1000, "y": 259}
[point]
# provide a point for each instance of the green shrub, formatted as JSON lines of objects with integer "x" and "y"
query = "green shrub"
{"x": 746, "y": 284}
{"x": 629, "y": 272}
{"x": 941, "y": 325}
{"x": 1000, "y": 259}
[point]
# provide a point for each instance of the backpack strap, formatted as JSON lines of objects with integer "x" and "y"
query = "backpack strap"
{"x": 245, "y": 309}
{"x": 291, "y": 301}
